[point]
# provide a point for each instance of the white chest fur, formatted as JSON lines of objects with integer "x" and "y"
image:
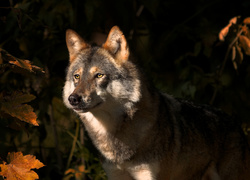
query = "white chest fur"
{"x": 102, "y": 133}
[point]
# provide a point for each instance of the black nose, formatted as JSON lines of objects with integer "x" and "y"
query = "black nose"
{"x": 74, "y": 99}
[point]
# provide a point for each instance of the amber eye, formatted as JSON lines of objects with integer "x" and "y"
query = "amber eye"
{"x": 99, "y": 75}
{"x": 77, "y": 76}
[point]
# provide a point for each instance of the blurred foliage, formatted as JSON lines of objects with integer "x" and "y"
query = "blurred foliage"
{"x": 175, "y": 42}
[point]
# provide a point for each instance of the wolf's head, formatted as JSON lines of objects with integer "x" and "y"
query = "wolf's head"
{"x": 100, "y": 76}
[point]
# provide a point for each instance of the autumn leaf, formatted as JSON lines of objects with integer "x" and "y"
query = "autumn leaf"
{"x": 19, "y": 167}
{"x": 239, "y": 34}
{"x": 78, "y": 172}
{"x": 223, "y": 33}
{"x": 237, "y": 56}
{"x": 245, "y": 44}
{"x": 5, "y": 56}
{"x": 246, "y": 20}
{"x": 14, "y": 105}
{"x": 24, "y": 64}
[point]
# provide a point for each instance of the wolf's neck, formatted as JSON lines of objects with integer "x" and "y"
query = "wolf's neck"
{"x": 105, "y": 119}
{"x": 117, "y": 128}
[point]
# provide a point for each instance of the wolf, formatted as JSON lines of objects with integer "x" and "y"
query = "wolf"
{"x": 141, "y": 133}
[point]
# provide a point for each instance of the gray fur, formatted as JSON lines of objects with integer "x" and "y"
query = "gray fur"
{"x": 143, "y": 134}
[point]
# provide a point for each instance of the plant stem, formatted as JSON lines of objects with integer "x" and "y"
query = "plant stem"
{"x": 219, "y": 74}
{"x": 74, "y": 143}
{"x": 53, "y": 124}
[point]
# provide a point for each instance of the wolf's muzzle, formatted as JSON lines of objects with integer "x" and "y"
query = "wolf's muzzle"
{"x": 75, "y": 99}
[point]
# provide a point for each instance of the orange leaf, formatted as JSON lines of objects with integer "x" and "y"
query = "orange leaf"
{"x": 234, "y": 20}
{"x": 13, "y": 105}
{"x": 25, "y": 64}
{"x": 81, "y": 168}
{"x": 223, "y": 33}
{"x": 22, "y": 63}
{"x": 239, "y": 55}
{"x": 20, "y": 167}
{"x": 70, "y": 171}
{"x": 245, "y": 44}
{"x": 246, "y": 20}
{"x": 5, "y": 56}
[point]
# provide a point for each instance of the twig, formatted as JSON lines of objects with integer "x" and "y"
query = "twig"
{"x": 227, "y": 53}
{"x": 74, "y": 143}
{"x": 53, "y": 124}
{"x": 219, "y": 74}
{"x": 82, "y": 142}
{"x": 178, "y": 26}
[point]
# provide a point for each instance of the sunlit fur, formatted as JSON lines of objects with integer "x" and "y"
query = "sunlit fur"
{"x": 141, "y": 133}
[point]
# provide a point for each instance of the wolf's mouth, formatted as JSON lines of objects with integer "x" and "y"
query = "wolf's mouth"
{"x": 85, "y": 109}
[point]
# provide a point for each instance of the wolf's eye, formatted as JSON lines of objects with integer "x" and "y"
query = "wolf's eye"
{"x": 77, "y": 76}
{"x": 99, "y": 75}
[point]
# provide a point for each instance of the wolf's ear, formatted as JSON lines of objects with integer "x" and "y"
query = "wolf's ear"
{"x": 74, "y": 43}
{"x": 116, "y": 44}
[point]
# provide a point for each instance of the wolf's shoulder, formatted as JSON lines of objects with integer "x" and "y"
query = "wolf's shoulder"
{"x": 201, "y": 116}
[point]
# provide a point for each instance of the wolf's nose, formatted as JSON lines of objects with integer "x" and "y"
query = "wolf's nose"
{"x": 74, "y": 99}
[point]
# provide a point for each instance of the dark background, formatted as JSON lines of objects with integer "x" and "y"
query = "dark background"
{"x": 174, "y": 41}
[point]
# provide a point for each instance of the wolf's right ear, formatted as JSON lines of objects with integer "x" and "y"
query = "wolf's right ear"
{"x": 74, "y": 43}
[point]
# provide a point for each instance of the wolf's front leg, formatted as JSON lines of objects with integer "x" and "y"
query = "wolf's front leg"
{"x": 130, "y": 171}
{"x": 144, "y": 171}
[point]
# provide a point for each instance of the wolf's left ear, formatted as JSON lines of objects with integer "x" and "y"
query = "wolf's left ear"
{"x": 116, "y": 44}
{"x": 74, "y": 43}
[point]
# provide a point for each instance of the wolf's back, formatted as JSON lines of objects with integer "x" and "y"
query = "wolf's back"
{"x": 203, "y": 142}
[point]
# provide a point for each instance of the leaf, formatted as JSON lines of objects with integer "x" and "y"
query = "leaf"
{"x": 81, "y": 168}
{"x": 233, "y": 53}
{"x": 223, "y": 33}
{"x": 5, "y": 56}
{"x": 246, "y": 20}
{"x": 234, "y": 57}
{"x": 13, "y": 105}
{"x": 78, "y": 172}
{"x": 239, "y": 55}
{"x": 19, "y": 167}
{"x": 70, "y": 171}
{"x": 234, "y": 20}
{"x": 24, "y": 64}
{"x": 245, "y": 44}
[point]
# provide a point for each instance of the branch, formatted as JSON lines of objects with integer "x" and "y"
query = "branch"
{"x": 219, "y": 74}
{"x": 74, "y": 143}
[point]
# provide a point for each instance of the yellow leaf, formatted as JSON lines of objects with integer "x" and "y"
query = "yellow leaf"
{"x": 19, "y": 167}
{"x": 13, "y": 105}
